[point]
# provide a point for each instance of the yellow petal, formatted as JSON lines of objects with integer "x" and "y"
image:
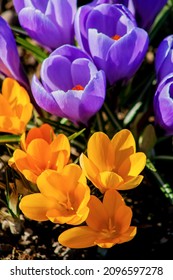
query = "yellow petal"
{"x": 97, "y": 218}
{"x": 109, "y": 180}
{"x": 78, "y": 237}
{"x": 123, "y": 145}
{"x": 100, "y": 151}
{"x": 39, "y": 150}
{"x": 112, "y": 201}
{"x": 130, "y": 183}
{"x": 122, "y": 218}
{"x": 61, "y": 143}
{"x": 128, "y": 235}
{"x": 88, "y": 167}
{"x": 5, "y": 109}
{"x": 35, "y": 206}
{"x": 133, "y": 165}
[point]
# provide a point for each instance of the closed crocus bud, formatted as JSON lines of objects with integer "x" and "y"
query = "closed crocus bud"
{"x": 49, "y": 22}
{"x": 146, "y": 11}
{"x": 164, "y": 58}
{"x": 116, "y": 45}
{"x": 163, "y": 104}
{"x": 10, "y": 65}
{"x": 71, "y": 86}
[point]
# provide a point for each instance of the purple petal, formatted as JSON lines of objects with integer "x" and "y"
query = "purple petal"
{"x": 10, "y": 64}
{"x": 93, "y": 97}
{"x": 44, "y": 99}
{"x": 70, "y": 52}
{"x": 68, "y": 103}
{"x": 82, "y": 70}
{"x": 62, "y": 13}
{"x": 163, "y": 58}
{"x": 56, "y": 73}
{"x": 20, "y": 4}
{"x": 163, "y": 104}
{"x": 40, "y": 27}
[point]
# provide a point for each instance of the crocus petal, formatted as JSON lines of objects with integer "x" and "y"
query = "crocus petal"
{"x": 122, "y": 218}
{"x": 37, "y": 25}
{"x": 45, "y": 99}
{"x": 133, "y": 165}
{"x": 99, "y": 149}
{"x": 56, "y": 73}
{"x": 78, "y": 237}
{"x": 97, "y": 218}
{"x": 108, "y": 180}
{"x": 128, "y": 235}
{"x": 88, "y": 167}
{"x": 131, "y": 183}
{"x": 124, "y": 145}
{"x": 112, "y": 201}
{"x": 35, "y": 206}
{"x": 10, "y": 64}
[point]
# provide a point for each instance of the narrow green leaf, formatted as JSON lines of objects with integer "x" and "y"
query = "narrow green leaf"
{"x": 9, "y": 139}
{"x": 76, "y": 134}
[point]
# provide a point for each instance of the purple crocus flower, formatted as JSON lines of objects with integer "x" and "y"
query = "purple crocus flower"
{"x": 146, "y": 11}
{"x": 49, "y": 22}
{"x": 163, "y": 104}
{"x": 109, "y": 33}
{"x": 71, "y": 87}
{"x": 10, "y": 65}
{"x": 164, "y": 58}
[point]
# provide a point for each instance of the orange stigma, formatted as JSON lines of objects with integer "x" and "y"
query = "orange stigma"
{"x": 116, "y": 37}
{"x": 78, "y": 87}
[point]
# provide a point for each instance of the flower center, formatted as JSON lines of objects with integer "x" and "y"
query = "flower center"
{"x": 116, "y": 37}
{"x": 78, "y": 87}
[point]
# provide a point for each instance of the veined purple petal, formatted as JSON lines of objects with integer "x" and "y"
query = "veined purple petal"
{"x": 80, "y": 26}
{"x": 163, "y": 104}
{"x": 40, "y": 28}
{"x": 44, "y": 99}
{"x": 20, "y": 4}
{"x": 164, "y": 58}
{"x": 82, "y": 70}
{"x": 10, "y": 64}
{"x": 62, "y": 13}
{"x": 70, "y": 52}
{"x": 69, "y": 103}
{"x": 56, "y": 73}
{"x": 93, "y": 97}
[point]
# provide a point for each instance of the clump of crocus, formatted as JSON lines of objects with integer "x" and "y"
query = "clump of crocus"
{"x": 110, "y": 34}
{"x": 41, "y": 150}
{"x": 113, "y": 164}
{"x": 163, "y": 104}
{"x": 49, "y": 22}
{"x": 63, "y": 198}
{"x": 163, "y": 59}
{"x": 71, "y": 87}
{"x": 108, "y": 223}
{"x": 15, "y": 107}
{"x": 10, "y": 65}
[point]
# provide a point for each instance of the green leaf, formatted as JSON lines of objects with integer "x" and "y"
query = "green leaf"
{"x": 9, "y": 139}
{"x": 76, "y": 134}
{"x": 35, "y": 50}
{"x": 148, "y": 139}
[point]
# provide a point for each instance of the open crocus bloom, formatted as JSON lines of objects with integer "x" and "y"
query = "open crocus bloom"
{"x": 109, "y": 33}
{"x": 40, "y": 154}
{"x": 49, "y": 22}
{"x": 71, "y": 86}
{"x": 63, "y": 198}
{"x": 108, "y": 223}
{"x": 15, "y": 107}
{"x": 113, "y": 164}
